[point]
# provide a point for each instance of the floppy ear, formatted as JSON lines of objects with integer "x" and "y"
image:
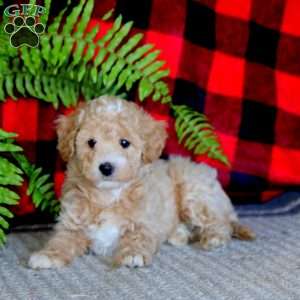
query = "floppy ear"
{"x": 154, "y": 134}
{"x": 66, "y": 128}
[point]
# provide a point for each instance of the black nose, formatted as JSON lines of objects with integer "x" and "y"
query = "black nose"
{"x": 106, "y": 168}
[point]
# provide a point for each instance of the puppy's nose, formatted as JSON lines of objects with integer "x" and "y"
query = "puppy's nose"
{"x": 106, "y": 168}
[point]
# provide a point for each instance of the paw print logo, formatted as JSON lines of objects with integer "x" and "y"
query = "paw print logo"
{"x": 24, "y": 31}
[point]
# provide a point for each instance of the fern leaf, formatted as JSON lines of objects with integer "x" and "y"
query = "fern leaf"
{"x": 3, "y": 223}
{"x": 45, "y": 16}
{"x": 45, "y": 44}
{"x": 196, "y": 134}
{"x": 2, "y": 94}
{"x": 131, "y": 43}
{"x": 2, "y": 237}
{"x": 119, "y": 36}
{"x": 37, "y": 197}
{"x": 20, "y": 83}
{"x": 64, "y": 54}
{"x": 6, "y": 147}
{"x": 6, "y": 135}
{"x": 92, "y": 33}
{"x": 157, "y": 95}
{"x": 147, "y": 59}
{"x": 46, "y": 83}
{"x": 100, "y": 57}
{"x": 40, "y": 181}
{"x": 38, "y": 87}
{"x": 145, "y": 88}
{"x": 58, "y": 42}
{"x": 72, "y": 18}
{"x": 108, "y": 36}
{"x": 32, "y": 180}
{"x": 125, "y": 74}
{"x": 80, "y": 45}
{"x": 114, "y": 73}
{"x": 35, "y": 58}
{"x": 8, "y": 197}
{"x": 160, "y": 74}
{"x": 9, "y": 173}
{"x": 138, "y": 53}
{"x": 39, "y": 188}
{"x": 5, "y": 212}
{"x": 53, "y": 91}
{"x": 26, "y": 58}
{"x": 153, "y": 67}
{"x": 108, "y": 15}
{"x": 46, "y": 187}
{"x": 29, "y": 86}
{"x": 9, "y": 86}
{"x": 84, "y": 20}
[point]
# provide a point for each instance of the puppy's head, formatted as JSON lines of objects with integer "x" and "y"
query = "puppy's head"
{"x": 110, "y": 139}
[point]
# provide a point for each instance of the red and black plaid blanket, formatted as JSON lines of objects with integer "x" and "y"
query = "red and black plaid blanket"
{"x": 235, "y": 60}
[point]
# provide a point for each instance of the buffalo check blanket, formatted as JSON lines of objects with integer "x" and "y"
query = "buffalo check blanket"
{"x": 238, "y": 61}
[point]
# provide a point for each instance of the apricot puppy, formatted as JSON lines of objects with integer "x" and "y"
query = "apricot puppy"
{"x": 120, "y": 199}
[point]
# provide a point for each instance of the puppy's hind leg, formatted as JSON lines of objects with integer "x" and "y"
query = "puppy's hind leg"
{"x": 204, "y": 206}
{"x": 208, "y": 230}
{"x": 212, "y": 235}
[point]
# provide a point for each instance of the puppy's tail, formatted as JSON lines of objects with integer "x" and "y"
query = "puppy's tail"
{"x": 242, "y": 232}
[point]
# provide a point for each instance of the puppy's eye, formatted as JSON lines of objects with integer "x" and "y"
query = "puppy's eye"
{"x": 124, "y": 143}
{"x": 92, "y": 143}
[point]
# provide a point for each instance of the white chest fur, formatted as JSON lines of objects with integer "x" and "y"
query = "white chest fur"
{"x": 104, "y": 238}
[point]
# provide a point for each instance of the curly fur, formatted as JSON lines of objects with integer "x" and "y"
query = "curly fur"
{"x": 143, "y": 203}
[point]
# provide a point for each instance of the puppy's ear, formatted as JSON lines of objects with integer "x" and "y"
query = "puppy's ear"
{"x": 154, "y": 134}
{"x": 66, "y": 128}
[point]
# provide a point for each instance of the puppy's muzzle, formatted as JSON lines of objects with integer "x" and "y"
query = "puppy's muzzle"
{"x": 106, "y": 169}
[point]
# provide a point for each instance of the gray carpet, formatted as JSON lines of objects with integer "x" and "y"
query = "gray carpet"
{"x": 268, "y": 268}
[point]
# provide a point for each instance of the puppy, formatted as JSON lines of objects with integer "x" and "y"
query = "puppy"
{"x": 119, "y": 199}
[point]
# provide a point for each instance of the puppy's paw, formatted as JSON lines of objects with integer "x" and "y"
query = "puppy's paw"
{"x": 180, "y": 236}
{"x": 209, "y": 242}
{"x": 133, "y": 260}
{"x": 40, "y": 260}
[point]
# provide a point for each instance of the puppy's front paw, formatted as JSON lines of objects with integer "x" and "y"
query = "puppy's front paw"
{"x": 133, "y": 260}
{"x": 40, "y": 260}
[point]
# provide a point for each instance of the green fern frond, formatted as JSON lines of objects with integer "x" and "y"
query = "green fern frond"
{"x": 10, "y": 175}
{"x": 70, "y": 53}
{"x": 39, "y": 187}
{"x": 194, "y": 131}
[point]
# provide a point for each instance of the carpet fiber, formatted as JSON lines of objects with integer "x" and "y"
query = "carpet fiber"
{"x": 268, "y": 268}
